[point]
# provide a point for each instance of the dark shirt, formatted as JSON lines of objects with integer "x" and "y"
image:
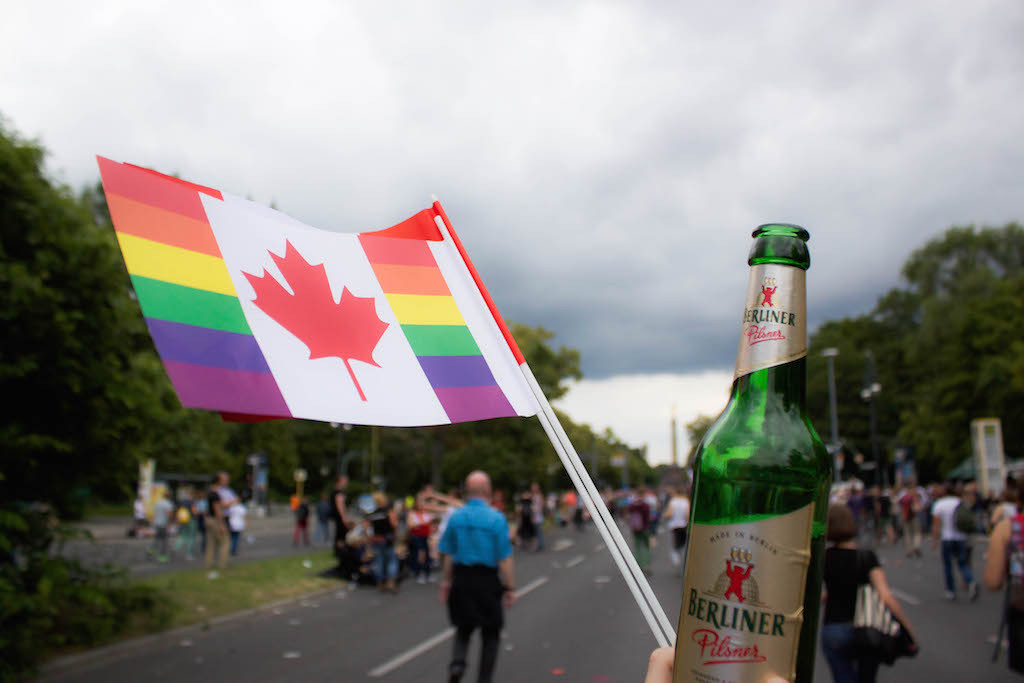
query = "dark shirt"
{"x": 213, "y": 504}
{"x": 868, "y": 503}
{"x": 884, "y": 507}
{"x": 380, "y": 522}
{"x": 526, "y": 507}
{"x": 845, "y": 570}
{"x": 335, "y": 515}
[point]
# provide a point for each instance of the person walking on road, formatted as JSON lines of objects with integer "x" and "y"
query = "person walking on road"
{"x": 383, "y": 528}
{"x": 301, "y": 522}
{"x": 323, "y": 520}
{"x": 954, "y": 544}
{"x": 639, "y": 515}
{"x": 846, "y": 569}
{"x": 537, "y": 508}
{"x": 186, "y": 518}
{"x": 236, "y": 524}
{"x": 162, "y": 510}
{"x": 339, "y": 512}
{"x": 139, "y": 517}
{"x": 419, "y": 522}
{"x": 678, "y": 514}
{"x": 217, "y": 523}
{"x": 910, "y": 515}
{"x": 478, "y": 576}
{"x": 526, "y": 532}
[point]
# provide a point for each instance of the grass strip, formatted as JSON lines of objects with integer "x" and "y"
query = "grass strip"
{"x": 194, "y": 598}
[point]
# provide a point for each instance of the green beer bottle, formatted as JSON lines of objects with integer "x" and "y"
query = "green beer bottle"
{"x": 751, "y": 593}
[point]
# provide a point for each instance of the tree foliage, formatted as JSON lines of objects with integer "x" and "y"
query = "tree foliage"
{"x": 49, "y": 602}
{"x": 695, "y": 431}
{"x": 946, "y": 349}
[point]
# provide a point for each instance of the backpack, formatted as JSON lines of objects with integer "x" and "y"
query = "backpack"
{"x": 636, "y": 521}
{"x": 963, "y": 519}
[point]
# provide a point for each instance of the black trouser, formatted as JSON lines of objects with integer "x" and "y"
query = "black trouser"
{"x": 488, "y": 654}
{"x": 475, "y": 602}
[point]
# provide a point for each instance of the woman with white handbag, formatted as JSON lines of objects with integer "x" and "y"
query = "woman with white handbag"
{"x": 863, "y": 624}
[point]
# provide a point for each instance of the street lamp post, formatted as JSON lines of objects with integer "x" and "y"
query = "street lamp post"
{"x": 868, "y": 393}
{"x": 830, "y": 355}
{"x": 340, "y": 465}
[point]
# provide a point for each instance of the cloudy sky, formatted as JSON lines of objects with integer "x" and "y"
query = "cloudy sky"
{"x": 604, "y": 162}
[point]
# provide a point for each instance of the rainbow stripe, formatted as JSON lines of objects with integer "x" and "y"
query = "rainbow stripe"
{"x": 185, "y": 292}
{"x": 430, "y": 319}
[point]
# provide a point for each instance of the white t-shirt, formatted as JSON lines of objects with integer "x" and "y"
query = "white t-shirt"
{"x": 236, "y": 517}
{"x": 678, "y": 512}
{"x": 944, "y": 509}
{"x": 227, "y": 496}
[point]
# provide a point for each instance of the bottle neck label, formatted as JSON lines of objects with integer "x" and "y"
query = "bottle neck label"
{"x": 774, "y": 318}
{"x": 743, "y": 599}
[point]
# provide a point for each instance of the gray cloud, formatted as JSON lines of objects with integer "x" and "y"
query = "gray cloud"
{"x": 604, "y": 163}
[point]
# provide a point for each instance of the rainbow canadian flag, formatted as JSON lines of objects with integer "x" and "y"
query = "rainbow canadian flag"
{"x": 257, "y": 315}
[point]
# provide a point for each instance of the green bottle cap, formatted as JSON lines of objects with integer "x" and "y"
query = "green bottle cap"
{"x": 782, "y": 243}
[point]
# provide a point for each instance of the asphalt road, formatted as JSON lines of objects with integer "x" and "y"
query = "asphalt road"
{"x": 575, "y": 621}
{"x": 263, "y": 538}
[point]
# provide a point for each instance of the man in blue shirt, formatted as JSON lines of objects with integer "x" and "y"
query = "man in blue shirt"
{"x": 478, "y": 575}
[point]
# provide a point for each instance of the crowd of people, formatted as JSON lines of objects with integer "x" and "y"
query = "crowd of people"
{"x": 948, "y": 513}
{"x": 399, "y": 537}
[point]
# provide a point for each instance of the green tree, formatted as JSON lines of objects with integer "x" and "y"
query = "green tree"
{"x": 695, "y": 431}
{"x": 75, "y": 362}
{"x": 945, "y": 347}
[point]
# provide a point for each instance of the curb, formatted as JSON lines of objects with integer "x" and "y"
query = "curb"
{"x": 60, "y": 665}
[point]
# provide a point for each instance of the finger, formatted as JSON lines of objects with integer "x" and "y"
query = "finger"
{"x": 659, "y": 668}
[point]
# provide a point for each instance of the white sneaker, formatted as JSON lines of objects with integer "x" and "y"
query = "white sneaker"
{"x": 213, "y": 574}
{"x": 421, "y": 580}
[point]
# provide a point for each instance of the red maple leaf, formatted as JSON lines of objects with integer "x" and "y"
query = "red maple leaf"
{"x": 349, "y": 329}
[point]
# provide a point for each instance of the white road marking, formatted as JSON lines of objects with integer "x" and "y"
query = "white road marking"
{"x": 563, "y": 544}
{"x": 435, "y": 640}
{"x": 532, "y": 586}
{"x": 412, "y": 653}
{"x": 905, "y": 597}
{"x": 573, "y": 562}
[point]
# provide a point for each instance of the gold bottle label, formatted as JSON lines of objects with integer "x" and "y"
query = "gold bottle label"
{"x": 774, "y": 326}
{"x": 743, "y": 600}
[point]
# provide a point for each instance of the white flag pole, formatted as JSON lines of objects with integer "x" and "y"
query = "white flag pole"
{"x": 617, "y": 546}
{"x": 664, "y": 640}
{"x": 631, "y": 573}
